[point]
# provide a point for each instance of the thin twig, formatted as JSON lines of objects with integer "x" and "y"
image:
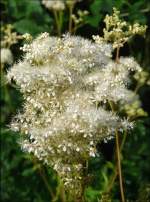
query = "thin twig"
{"x": 119, "y": 167}
{"x": 70, "y": 17}
{"x": 118, "y": 149}
{"x": 57, "y": 23}
{"x": 117, "y": 146}
{"x": 117, "y": 55}
{"x": 116, "y": 170}
{"x": 141, "y": 11}
{"x": 122, "y": 145}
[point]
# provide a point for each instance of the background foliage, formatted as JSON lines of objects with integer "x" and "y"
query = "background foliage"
{"x": 22, "y": 179}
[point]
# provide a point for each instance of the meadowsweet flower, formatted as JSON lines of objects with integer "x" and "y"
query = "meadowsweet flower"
{"x": 79, "y": 18}
{"x": 62, "y": 79}
{"x": 142, "y": 77}
{"x": 8, "y": 36}
{"x": 57, "y": 5}
{"x": 118, "y": 31}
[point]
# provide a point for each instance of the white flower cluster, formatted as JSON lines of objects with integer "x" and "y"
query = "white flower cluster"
{"x": 66, "y": 83}
{"x": 54, "y": 4}
{"x": 6, "y": 56}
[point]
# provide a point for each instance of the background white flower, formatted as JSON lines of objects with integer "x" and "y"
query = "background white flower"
{"x": 6, "y": 56}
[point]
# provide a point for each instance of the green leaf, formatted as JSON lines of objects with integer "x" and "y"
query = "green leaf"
{"x": 92, "y": 195}
{"x": 96, "y": 16}
{"x": 29, "y": 16}
{"x": 136, "y": 13}
{"x": 30, "y": 26}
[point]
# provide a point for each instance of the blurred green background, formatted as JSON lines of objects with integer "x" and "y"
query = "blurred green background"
{"x": 23, "y": 179}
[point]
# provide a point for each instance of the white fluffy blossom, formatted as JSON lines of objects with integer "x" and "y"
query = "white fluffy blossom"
{"x": 6, "y": 56}
{"x": 66, "y": 83}
{"x": 54, "y": 4}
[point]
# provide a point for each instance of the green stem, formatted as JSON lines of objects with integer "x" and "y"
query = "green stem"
{"x": 75, "y": 28}
{"x": 123, "y": 140}
{"x": 60, "y": 193}
{"x": 71, "y": 7}
{"x": 137, "y": 88}
{"x": 145, "y": 10}
{"x": 117, "y": 55}
{"x": 119, "y": 167}
{"x": 117, "y": 146}
{"x": 58, "y": 25}
{"x": 60, "y": 19}
{"x": 116, "y": 170}
{"x": 118, "y": 154}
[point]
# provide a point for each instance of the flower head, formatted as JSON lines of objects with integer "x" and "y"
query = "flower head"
{"x": 57, "y": 5}
{"x": 62, "y": 80}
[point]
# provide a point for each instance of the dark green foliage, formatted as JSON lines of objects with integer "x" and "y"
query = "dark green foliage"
{"x": 128, "y": 9}
{"x": 28, "y": 16}
{"x": 95, "y": 16}
{"x": 20, "y": 180}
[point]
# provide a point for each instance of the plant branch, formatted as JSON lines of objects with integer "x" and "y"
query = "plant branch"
{"x": 121, "y": 147}
{"x": 119, "y": 167}
{"x": 116, "y": 170}
{"x": 71, "y": 7}
{"x": 57, "y": 23}
{"x": 141, "y": 11}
